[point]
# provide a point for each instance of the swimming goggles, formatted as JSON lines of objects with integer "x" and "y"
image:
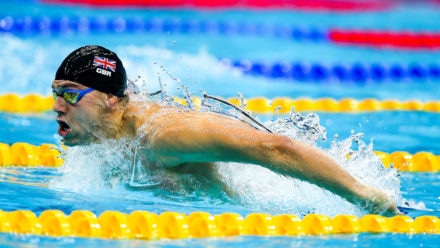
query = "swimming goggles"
{"x": 71, "y": 96}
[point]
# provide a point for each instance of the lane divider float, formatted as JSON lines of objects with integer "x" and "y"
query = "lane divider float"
{"x": 284, "y": 105}
{"x": 404, "y": 161}
{"x": 25, "y": 154}
{"x": 316, "y": 5}
{"x": 359, "y": 73}
{"x": 14, "y": 103}
{"x": 146, "y": 225}
{"x": 388, "y": 39}
{"x": 44, "y": 25}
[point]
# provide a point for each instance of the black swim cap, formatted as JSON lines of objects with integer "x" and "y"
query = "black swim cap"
{"x": 95, "y": 67}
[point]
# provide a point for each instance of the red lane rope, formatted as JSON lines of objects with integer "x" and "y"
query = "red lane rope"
{"x": 405, "y": 39}
{"x": 317, "y": 5}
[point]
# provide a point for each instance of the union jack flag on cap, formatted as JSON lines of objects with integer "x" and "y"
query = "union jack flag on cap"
{"x": 105, "y": 63}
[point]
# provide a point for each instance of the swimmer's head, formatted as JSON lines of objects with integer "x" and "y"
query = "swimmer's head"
{"x": 95, "y": 67}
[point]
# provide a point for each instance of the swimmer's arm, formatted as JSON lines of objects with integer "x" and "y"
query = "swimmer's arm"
{"x": 202, "y": 138}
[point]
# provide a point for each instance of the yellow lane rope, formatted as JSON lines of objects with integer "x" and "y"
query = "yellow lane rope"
{"x": 14, "y": 103}
{"x": 24, "y": 154}
{"x": 174, "y": 225}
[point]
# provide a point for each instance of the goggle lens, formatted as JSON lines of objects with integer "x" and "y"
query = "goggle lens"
{"x": 71, "y": 96}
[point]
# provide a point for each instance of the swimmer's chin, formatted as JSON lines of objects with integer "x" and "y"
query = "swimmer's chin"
{"x": 69, "y": 144}
{"x": 72, "y": 142}
{"x": 75, "y": 140}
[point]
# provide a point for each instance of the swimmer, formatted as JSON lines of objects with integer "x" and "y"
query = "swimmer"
{"x": 91, "y": 105}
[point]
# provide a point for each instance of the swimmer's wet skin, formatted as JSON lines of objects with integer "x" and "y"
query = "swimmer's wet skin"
{"x": 172, "y": 136}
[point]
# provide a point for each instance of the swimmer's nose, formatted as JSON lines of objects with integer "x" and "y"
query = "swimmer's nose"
{"x": 59, "y": 105}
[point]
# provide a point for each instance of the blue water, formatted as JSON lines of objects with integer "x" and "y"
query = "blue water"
{"x": 29, "y": 60}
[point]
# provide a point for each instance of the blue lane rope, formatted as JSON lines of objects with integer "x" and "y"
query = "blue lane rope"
{"x": 69, "y": 24}
{"x": 356, "y": 72}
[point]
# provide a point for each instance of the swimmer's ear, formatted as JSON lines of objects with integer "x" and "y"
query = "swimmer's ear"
{"x": 111, "y": 101}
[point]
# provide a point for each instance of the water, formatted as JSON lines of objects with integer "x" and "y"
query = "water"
{"x": 192, "y": 61}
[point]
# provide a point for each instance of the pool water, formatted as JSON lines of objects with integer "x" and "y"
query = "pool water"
{"x": 195, "y": 60}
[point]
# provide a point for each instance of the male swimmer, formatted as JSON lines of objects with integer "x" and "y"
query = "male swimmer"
{"x": 92, "y": 104}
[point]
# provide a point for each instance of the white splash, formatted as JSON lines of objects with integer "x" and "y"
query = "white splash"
{"x": 267, "y": 191}
{"x": 95, "y": 168}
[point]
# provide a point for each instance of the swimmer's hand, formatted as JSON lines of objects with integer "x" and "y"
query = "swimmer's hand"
{"x": 378, "y": 202}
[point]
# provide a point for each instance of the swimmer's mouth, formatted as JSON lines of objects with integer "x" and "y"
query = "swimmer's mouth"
{"x": 63, "y": 128}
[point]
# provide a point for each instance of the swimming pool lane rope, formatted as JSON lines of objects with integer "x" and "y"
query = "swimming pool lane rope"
{"x": 316, "y": 5}
{"x": 49, "y": 155}
{"x": 146, "y": 225}
{"x": 14, "y": 103}
{"x": 358, "y": 73}
{"x": 56, "y": 25}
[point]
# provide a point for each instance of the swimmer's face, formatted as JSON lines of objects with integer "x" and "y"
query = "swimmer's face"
{"x": 79, "y": 123}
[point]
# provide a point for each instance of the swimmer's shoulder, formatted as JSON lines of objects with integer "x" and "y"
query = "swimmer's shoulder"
{"x": 141, "y": 109}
